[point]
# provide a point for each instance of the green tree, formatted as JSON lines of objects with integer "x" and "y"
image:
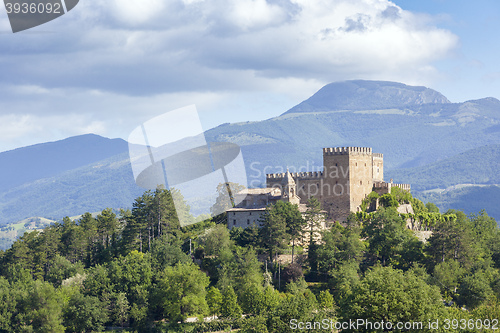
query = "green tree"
{"x": 447, "y": 276}
{"x": 392, "y": 296}
{"x": 214, "y": 301}
{"x": 474, "y": 290}
{"x": 215, "y": 240}
{"x": 313, "y": 217}
{"x": 273, "y": 232}
{"x": 61, "y": 269}
{"x": 431, "y": 207}
{"x": 325, "y": 300}
{"x": 167, "y": 252}
{"x": 181, "y": 292}
{"x": 85, "y": 314}
{"x": 386, "y": 234}
{"x": 8, "y": 305}
{"x": 39, "y": 309}
{"x": 388, "y": 200}
{"x": 255, "y": 324}
{"x": 293, "y": 219}
{"x": 452, "y": 239}
{"x": 225, "y": 199}
{"x": 120, "y": 309}
{"x": 230, "y": 308}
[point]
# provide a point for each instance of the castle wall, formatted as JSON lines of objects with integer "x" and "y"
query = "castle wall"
{"x": 308, "y": 184}
{"x": 243, "y": 218}
{"x": 349, "y": 175}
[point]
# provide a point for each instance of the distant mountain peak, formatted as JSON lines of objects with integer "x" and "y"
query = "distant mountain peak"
{"x": 368, "y": 95}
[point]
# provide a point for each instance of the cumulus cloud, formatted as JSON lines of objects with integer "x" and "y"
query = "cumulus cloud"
{"x": 133, "y": 50}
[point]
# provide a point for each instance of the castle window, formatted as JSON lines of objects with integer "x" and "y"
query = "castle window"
{"x": 234, "y": 222}
{"x": 365, "y": 164}
{"x": 248, "y": 221}
{"x": 234, "y": 213}
{"x": 356, "y": 163}
{"x": 250, "y": 213}
{"x": 360, "y": 182}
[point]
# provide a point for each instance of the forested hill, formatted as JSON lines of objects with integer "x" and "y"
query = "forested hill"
{"x": 142, "y": 272}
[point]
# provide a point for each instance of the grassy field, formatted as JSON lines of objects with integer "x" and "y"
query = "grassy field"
{"x": 10, "y": 232}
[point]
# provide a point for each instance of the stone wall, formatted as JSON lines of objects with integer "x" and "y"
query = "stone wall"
{"x": 243, "y": 218}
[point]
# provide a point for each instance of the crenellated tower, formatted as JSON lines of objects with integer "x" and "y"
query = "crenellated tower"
{"x": 349, "y": 175}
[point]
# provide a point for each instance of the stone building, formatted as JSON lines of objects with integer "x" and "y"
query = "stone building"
{"x": 349, "y": 175}
{"x": 253, "y": 202}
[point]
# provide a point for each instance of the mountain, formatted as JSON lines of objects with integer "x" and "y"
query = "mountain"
{"x": 425, "y": 139}
{"x": 469, "y": 181}
{"x": 409, "y": 135}
{"x": 476, "y": 166}
{"x": 367, "y": 95}
{"x": 27, "y": 164}
{"x": 90, "y": 188}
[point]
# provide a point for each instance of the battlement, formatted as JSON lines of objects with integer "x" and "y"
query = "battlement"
{"x": 296, "y": 175}
{"x": 347, "y": 151}
{"x": 378, "y": 155}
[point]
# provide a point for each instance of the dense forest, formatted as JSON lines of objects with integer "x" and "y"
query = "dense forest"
{"x": 140, "y": 271}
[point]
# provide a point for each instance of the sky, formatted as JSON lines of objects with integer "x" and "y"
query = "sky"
{"x": 108, "y": 66}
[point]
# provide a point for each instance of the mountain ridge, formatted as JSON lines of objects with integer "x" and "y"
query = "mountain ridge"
{"x": 409, "y": 135}
{"x": 365, "y": 94}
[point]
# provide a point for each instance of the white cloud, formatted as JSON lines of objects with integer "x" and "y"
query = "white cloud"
{"x": 115, "y": 63}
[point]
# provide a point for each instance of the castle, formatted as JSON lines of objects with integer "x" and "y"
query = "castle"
{"x": 349, "y": 175}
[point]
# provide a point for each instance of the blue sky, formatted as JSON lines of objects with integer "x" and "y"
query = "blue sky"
{"x": 109, "y": 65}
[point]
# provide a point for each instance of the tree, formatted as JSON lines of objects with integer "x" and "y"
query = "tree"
{"x": 120, "y": 309}
{"x": 392, "y": 296}
{"x": 181, "y": 292}
{"x": 85, "y": 314}
{"x": 8, "y": 305}
{"x": 474, "y": 290}
{"x": 447, "y": 276}
{"x": 388, "y": 200}
{"x": 225, "y": 200}
{"x": 452, "y": 239}
{"x": 39, "y": 309}
{"x": 313, "y": 217}
{"x": 293, "y": 220}
{"x": 386, "y": 233}
{"x": 273, "y": 232}
{"x": 230, "y": 308}
{"x": 254, "y": 325}
{"x": 61, "y": 269}
{"x": 431, "y": 207}
{"x": 167, "y": 252}
{"x": 325, "y": 300}
{"x": 214, "y": 301}
{"x": 215, "y": 240}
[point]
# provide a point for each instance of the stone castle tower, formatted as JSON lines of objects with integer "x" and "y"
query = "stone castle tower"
{"x": 349, "y": 175}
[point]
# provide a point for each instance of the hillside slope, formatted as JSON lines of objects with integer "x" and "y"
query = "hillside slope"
{"x": 476, "y": 166}
{"x": 23, "y": 165}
